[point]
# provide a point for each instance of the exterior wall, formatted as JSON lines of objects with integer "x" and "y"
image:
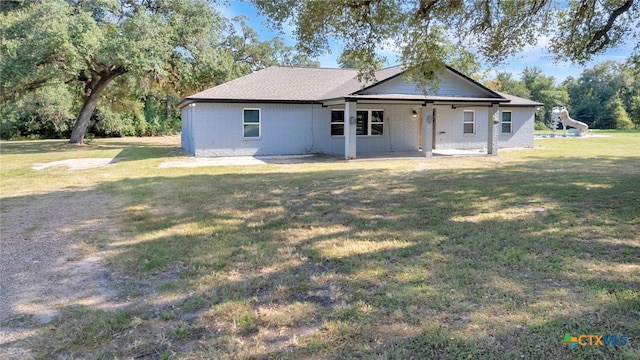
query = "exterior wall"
{"x": 523, "y": 120}
{"x": 449, "y": 132}
{"x": 400, "y": 131}
{"x": 451, "y": 84}
{"x": 216, "y": 129}
{"x": 449, "y": 128}
{"x": 186, "y": 136}
{"x": 285, "y": 129}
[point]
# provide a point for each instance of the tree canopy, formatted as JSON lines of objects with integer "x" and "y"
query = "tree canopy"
{"x": 422, "y": 29}
{"x": 118, "y": 61}
{"x": 606, "y": 96}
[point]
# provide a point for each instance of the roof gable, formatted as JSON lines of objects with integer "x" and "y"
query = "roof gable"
{"x": 451, "y": 84}
{"x": 313, "y": 85}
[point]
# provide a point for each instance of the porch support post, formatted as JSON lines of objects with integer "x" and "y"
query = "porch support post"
{"x": 427, "y": 130}
{"x": 350, "y": 120}
{"x": 493, "y": 120}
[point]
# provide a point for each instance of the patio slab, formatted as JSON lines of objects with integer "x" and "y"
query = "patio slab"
{"x": 191, "y": 162}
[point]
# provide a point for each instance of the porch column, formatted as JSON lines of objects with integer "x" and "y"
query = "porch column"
{"x": 427, "y": 129}
{"x": 350, "y": 121}
{"x": 492, "y": 133}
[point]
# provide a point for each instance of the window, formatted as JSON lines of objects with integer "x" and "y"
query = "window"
{"x": 506, "y": 122}
{"x": 377, "y": 127}
{"x": 337, "y": 122}
{"x": 362, "y": 126}
{"x": 469, "y": 122}
{"x": 251, "y": 123}
{"x": 368, "y": 122}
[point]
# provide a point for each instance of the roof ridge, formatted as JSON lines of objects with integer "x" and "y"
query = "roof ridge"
{"x": 309, "y": 67}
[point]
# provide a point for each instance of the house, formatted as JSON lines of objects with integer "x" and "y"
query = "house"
{"x": 304, "y": 110}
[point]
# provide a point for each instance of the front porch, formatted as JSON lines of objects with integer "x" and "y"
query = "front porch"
{"x": 401, "y": 155}
{"x": 481, "y": 132}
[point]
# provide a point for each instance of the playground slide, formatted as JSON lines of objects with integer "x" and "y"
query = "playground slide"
{"x": 563, "y": 114}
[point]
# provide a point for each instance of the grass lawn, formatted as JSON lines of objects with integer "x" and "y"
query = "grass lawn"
{"x": 448, "y": 258}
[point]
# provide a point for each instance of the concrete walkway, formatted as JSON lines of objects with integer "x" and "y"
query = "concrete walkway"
{"x": 190, "y": 162}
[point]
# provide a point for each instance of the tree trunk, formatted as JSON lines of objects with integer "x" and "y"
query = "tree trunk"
{"x": 168, "y": 107}
{"x": 95, "y": 86}
{"x": 88, "y": 107}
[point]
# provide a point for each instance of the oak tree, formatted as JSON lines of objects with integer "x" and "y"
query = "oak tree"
{"x": 421, "y": 29}
{"x": 95, "y": 42}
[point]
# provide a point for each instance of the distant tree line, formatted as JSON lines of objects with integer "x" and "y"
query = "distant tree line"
{"x": 606, "y": 96}
{"x": 118, "y": 67}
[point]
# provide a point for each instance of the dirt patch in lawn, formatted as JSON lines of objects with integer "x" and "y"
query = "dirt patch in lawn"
{"x": 51, "y": 258}
{"x": 78, "y": 164}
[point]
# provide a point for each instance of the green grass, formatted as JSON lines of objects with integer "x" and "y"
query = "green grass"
{"x": 490, "y": 257}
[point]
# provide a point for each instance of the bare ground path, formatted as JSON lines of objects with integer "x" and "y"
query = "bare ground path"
{"x": 49, "y": 259}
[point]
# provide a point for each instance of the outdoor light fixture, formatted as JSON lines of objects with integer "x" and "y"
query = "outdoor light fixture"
{"x": 352, "y": 120}
{"x": 415, "y": 113}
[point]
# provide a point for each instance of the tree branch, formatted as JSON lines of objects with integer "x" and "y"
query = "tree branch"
{"x": 603, "y": 33}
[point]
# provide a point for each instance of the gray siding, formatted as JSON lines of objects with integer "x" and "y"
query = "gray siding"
{"x": 451, "y": 84}
{"x": 285, "y": 130}
{"x": 400, "y": 131}
{"x": 449, "y": 128}
{"x": 215, "y": 129}
{"x": 522, "y": 129}
{"x": 186, "y": 137}
{"x": 450, "y": 134}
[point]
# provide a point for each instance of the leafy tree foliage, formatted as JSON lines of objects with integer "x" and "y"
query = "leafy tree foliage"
{"x": 606, "y": 96}
{"x": 421, "y": 28}
{"x": 353, "y": 60}
{"x": 120, "y": 65}
{"x": 250, "y": 53}
{"x": 535, "y": 86}
{"x": 542, "y": 89}
{"x": 95, "y": 42}
{"x": 603, "y": 96}
{"x": 506, "y": 83}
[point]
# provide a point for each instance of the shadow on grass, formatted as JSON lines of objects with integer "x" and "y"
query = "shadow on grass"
{"x": 489, "y": 263}
{"x": 27, "y": 147}
{"x": 130, "y": 149}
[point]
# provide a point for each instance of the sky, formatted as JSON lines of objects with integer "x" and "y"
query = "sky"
{"x": 531, "y": 56}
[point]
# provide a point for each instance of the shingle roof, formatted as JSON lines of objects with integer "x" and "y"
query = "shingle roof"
{"x": 312, "y": 84}
{"x": 280, "y": 83}
{"x": 518, "y": 101}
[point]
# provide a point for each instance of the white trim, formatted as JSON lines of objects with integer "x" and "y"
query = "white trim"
{"x": 473, "y": 112}
{"x": 502, "y": 122}
{"x": 246, "y": 123}
{"x": 339, "y": 122}
{"x": 368, "y": 111}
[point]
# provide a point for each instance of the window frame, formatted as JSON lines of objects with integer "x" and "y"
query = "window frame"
{"x": 336, "y": 122}
{"x": 465, "y": 122}
{"x": 369, "y": 122}
{"x": 503, "y": 123}
{"x": 259, "y": 123}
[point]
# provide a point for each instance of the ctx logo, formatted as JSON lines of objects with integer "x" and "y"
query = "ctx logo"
{"x": 594, "y": 340}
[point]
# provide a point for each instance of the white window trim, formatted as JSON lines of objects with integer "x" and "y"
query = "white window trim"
{"x": 465, "y": 122}
{"x": 510, "y": 122}
{"x": 369, "y": 111}
{"x": 340, "y": 122}
{"x": 246, "y": 123}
